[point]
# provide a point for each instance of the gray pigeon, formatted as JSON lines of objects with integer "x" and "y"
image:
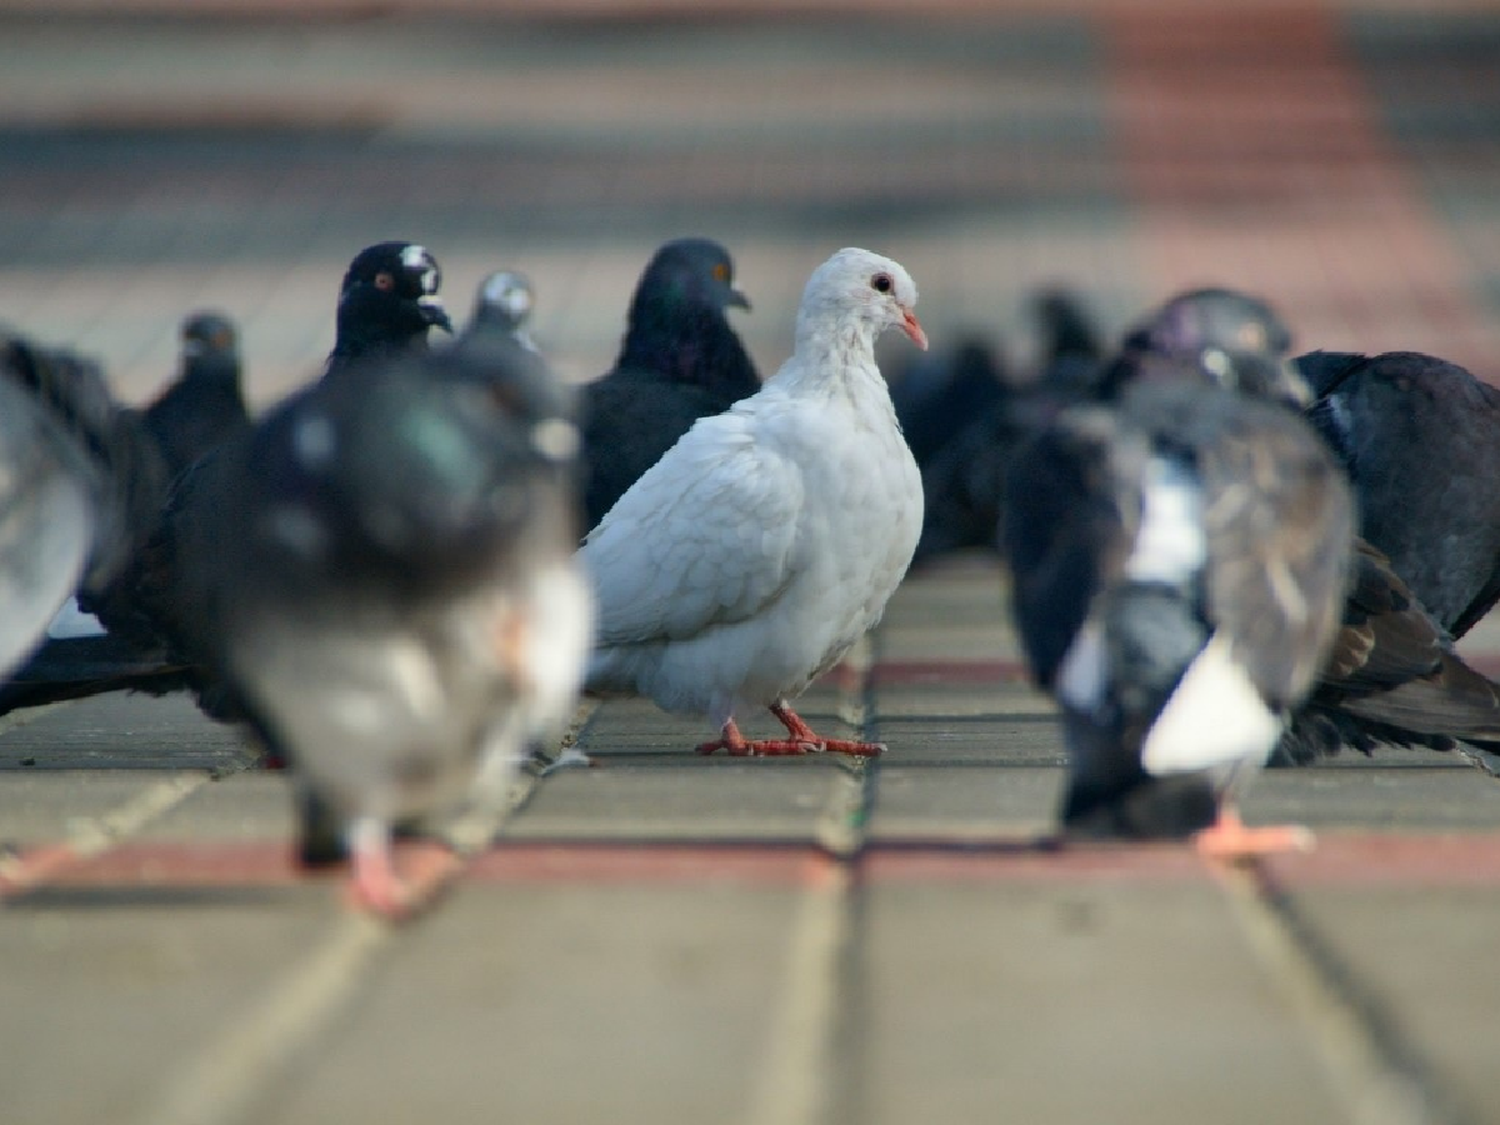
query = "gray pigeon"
{"x": 383, "y": 576}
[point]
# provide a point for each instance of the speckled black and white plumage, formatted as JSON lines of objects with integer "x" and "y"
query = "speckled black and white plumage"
{"x": 1179, "y": 562}
{"x": 680, "y": 360}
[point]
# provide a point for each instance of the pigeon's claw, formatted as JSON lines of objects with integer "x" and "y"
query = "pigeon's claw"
{"x": 801, "y": 739}
{"x": 377, "y": 887}
{"x": 1229, "y": 840}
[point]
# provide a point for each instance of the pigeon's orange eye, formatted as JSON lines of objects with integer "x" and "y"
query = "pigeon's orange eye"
{"x": 721, "y": 272}
{"x": 881, "y": 282}
{"x": 384, "y": 281}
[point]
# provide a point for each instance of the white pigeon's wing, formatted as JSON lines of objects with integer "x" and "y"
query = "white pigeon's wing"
{"x": 705, "y": 537}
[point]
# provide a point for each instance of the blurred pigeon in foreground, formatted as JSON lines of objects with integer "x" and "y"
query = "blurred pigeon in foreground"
{"x": 1179, "y": 564}
{"x": 61, "y": 516}
{"x": 1421, "y": 439}
{"x": 1392, "y": 676}
{"x": 746, "y": 562}
{"x": 384, "y": 575}
{"x": 680, "y": 361}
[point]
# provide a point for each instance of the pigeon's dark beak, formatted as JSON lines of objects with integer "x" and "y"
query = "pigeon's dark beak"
{"x": 735, "y": 299}
{"x": 435, "y": 314}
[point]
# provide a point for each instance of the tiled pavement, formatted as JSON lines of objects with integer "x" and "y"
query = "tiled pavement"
{"x": 672, "y": 938}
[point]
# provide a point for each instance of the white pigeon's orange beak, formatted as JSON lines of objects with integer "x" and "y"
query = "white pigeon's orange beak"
{"x": 912, "y": 328}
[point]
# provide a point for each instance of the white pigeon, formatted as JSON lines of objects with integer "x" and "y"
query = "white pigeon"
{"x": 747, "y": 561}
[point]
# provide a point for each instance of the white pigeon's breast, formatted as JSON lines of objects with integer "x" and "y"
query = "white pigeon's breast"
{"x": 862, "y": 518}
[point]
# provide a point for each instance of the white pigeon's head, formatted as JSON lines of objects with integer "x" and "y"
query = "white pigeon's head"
{"x": 860, "y": 291}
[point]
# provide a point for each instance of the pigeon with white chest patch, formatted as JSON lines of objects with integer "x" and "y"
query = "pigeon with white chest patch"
{"x": 747, "y": 561}
{"x": 1180, "y": 558}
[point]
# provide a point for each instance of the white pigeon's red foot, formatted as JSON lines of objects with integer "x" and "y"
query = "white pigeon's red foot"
{"x": 803, "y": 740}
{"x": 1229, "y": 840}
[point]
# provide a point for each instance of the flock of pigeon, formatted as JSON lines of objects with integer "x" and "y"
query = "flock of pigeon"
{"x": 402, "y": 577}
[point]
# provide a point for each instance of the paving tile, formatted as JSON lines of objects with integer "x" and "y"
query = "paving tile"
{"x": 1096, "y": 1001}
{"x": 562, "y": 1004}
{"x": 1389, "y": 799}
{"x": 712, "y": 800}
{"x": 963, "y": 801}
{"x": 123, "y": 731}
{"x": 88, "y": 972}
{"x": 1421, "y": 959}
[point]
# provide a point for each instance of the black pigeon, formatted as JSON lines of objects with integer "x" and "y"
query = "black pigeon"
{"x": 75, "y": 471}
{"x": 365, "y": 574}
{"x": 938, "y": 394}
{"x": 1420, "y": 438}
{"x": 970, "y": 430}
{"x": 680, "y": 361}
{"x": 503, "y": 307}
{"x": 204, "y": 405}
{"x": 1179, "y": 561}
{"x": 387, "y": 302}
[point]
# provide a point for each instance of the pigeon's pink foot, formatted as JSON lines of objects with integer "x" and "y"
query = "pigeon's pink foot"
{"x": 377, "y": 887}
{"x": 1229, "y": 840}
{"x": 803, "y": 740}
{"x": 803, "y": 733}
{"x": 736, "y": 744}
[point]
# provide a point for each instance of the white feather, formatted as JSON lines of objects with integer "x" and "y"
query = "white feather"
{"x": 1170, "y": 545}
{"x": 1215, "y": 717}
{"x": 1084, "y": 670}
{"x": 70, "y": 621}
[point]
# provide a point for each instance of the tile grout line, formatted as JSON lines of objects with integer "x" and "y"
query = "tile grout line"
{"x": 795, "y": 1081}
{"x": 1369, "y": 1073}
{"x": 229, "y": 1079}
{"x": 95, "y": 835}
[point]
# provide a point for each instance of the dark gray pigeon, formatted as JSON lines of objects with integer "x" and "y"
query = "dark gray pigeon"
{"x": 1420, "y": 438}
{"x": 383, "y": 575}
{"x": 965, "y": 430}
{"x": 680, "y": 361}
{"x": 204, "y": 405}
{"x": 1179, "y": 559}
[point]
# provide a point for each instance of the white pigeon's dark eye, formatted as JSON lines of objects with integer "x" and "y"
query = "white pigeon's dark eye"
{"x": 881, "y": 283}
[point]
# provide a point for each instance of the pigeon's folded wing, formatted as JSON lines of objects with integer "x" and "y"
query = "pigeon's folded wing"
{"x": 706, "y": 537}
